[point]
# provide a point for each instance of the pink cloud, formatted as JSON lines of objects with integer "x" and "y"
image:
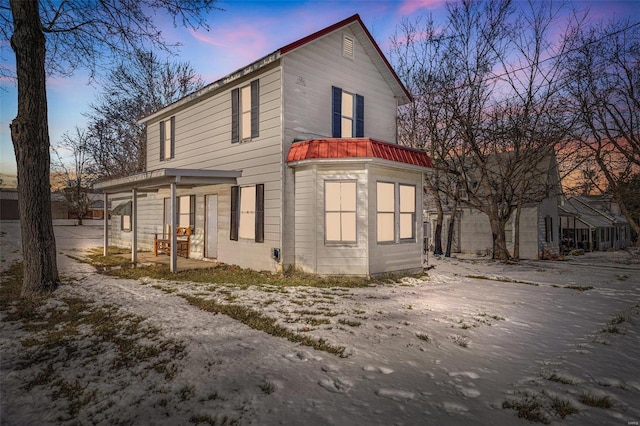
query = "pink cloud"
{"x": 410, "y": 6}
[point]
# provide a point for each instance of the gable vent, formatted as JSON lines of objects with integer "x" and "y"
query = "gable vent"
{"x": 347, "y": 46}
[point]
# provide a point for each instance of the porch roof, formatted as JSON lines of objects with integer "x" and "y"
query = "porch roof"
{"x": 155, "y": 179}
{"x": 334, "y": 148}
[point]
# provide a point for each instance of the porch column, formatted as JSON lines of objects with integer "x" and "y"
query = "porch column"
{"x": 173, "y": 236}
{"x": 105, "y": 219}
{"x": 134, "y": 225}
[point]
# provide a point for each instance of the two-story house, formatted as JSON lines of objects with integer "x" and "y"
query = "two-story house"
{"x": 289, "y": 161}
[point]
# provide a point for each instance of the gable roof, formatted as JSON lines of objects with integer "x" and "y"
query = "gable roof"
{"x": 355, "y": 24}
{"x": 335, "y": 148}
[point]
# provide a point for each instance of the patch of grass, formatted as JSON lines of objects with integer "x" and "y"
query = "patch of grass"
{"x": 560, "y": 379}
{"x": 579, "y": 287}
{"x": 57, "y": 339}
{"x": 501, "y": 279}
{"x": 260, "y": 322}
{"x": 267, "y": 388}
{"x": 213, "y": 421}
{"x": 563, "y": 408}
{"x": 186, "y": 392}
{"x": 612, "y": 329}
{"x": 596, "y": 401}
{"x": 461, "y": 341}
{"x": 349, "y": 322}
{"x": 618, "y": 319}
{"x": 230, "y": 274}
{"x": 316, "y": 321}
{"x": 529, "y": 408}
{"x": 423, "y": 336}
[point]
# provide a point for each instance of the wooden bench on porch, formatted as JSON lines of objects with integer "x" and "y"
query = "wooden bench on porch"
{"x": 183, "y": 242}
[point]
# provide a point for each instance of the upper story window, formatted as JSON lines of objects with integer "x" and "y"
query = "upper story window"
{"x": 245, "y": 112}
{"x": 167, "y": 139}
{"x": 347, "y": 114}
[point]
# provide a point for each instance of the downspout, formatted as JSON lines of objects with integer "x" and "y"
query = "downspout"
{"x": 105, "y": 214}
{"x": 283, "y": 205}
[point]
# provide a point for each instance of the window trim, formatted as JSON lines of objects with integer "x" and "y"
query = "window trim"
{"x": 167, "y": 207}
{"x": 234, "y": 231}
{"x": 172, "y": 139}
{"x": 340, "y": 242}
{"x": 357, "y": 130}
{"x": 237, "y": 112}
{"x": 398, "y": 213}
{"x": 413, "y": 213}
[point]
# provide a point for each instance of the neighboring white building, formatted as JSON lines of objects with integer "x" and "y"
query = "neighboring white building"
{"x": 539, "y": 219}
{"x": 593, "y": 223}
{"x": 282, "y": 163}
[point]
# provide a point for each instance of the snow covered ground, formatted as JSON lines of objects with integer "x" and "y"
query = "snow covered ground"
{"x": 471, "y": 342}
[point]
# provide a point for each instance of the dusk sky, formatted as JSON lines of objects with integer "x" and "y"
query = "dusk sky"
{"x": 242, "y": 33}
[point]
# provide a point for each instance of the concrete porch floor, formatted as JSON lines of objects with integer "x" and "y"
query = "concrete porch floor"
{"x": 147, "y": 258}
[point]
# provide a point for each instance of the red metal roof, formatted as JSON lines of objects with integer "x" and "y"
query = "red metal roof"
{"x": 357, "y": 148}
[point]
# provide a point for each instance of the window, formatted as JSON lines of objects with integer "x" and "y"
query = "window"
{"x": 124, "y": 210}
{"x": 347, "y": 114}
{"x": 407, "y": 212}
{"x": 245, "y": 112}
{"x": 388, "y": 209}
{"x": 167, "y": 139}
{"x": 247, "y": 213}
{"x": 185, "y": 212}
{"x": 386, "y": 212}
{"x": 347, "y": 46}
{"x": 340, "y": 211}
{"x": 548, "y": 229}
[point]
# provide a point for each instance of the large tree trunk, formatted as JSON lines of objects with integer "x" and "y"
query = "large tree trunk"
{"x": 30, "y": 136}
{"x": 452, "y": 222}
{"x": 516, "y": 230}
{"x": 500, "y": 251}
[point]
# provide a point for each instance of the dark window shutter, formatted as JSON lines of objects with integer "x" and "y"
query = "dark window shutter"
{"x": 260, "y": 213}
{"x": 359, "y": 116}
{"x": 255, "y": 108}
{"x": 173, "y": 137}
{"x": 235, "y": 115}
{"x": 192, "y": 212}
{"x": 233, "y": 232}
{"x": 161, "y": 140}
{"x": 336, "y": 112}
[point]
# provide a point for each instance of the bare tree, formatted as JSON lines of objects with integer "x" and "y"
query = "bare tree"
{"x": 60, "y": 37}
{"x": 495, "y": 92}
{"x": 419, "y": 52}
{"x": 603, "y": 86}
{"x": 132, "y": 90}
{"x": 72, "y": 168}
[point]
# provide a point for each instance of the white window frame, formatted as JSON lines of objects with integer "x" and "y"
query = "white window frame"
{"x": 245, "y": 112}
{"x": 340, "y": 211}
{"x": 385, "y": 210}
{"x": 407, "y": 213}
{"x": 348, "y": 115}
{"x": 395, "y": 215}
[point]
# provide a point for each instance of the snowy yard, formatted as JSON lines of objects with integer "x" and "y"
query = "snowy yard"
{"x": 471, "y": 342}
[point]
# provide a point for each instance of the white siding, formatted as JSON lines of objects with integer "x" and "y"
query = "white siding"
{"x": 203, "y": 141}
{"x": 308, "y": 76}
{"x": 305, "y": 223}
{"x": 394, "y": 257}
